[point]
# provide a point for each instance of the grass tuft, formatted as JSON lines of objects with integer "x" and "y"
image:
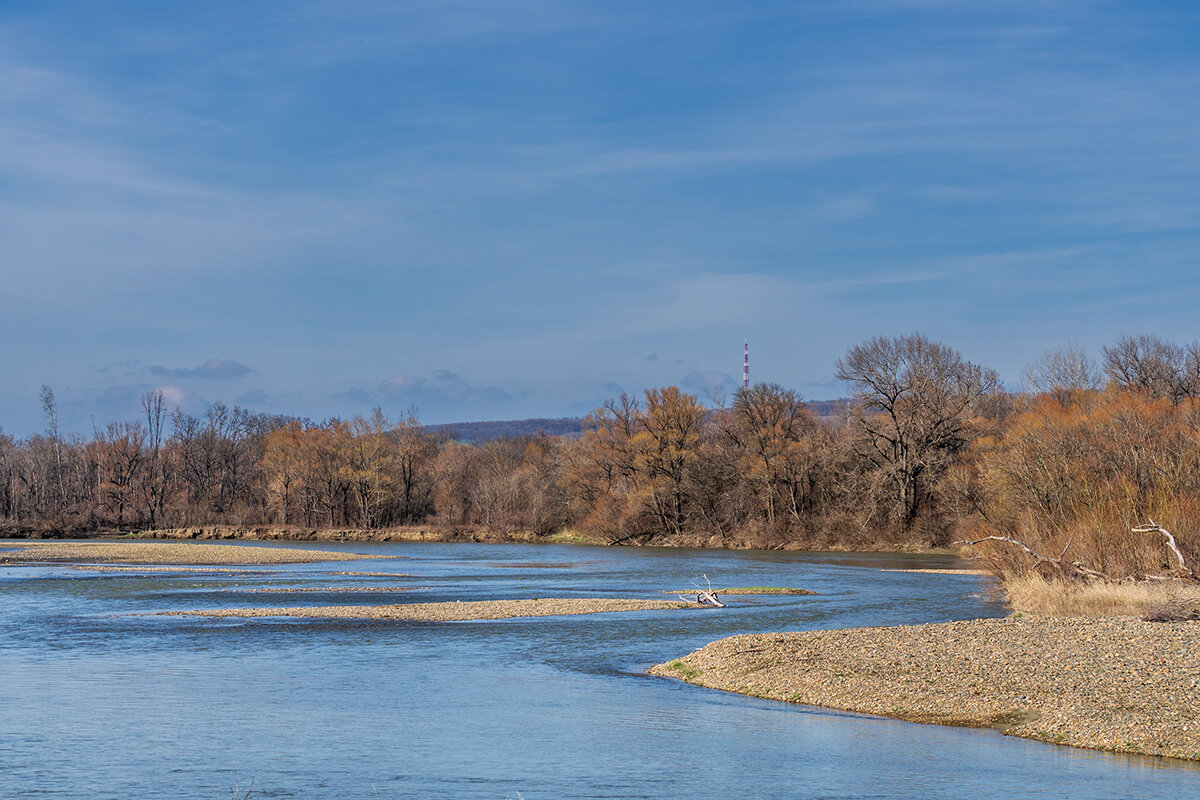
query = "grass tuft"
{"x": 683, "y": 669}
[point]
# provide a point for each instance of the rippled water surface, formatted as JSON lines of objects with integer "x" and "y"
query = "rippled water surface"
{"x": 99, "y": 702}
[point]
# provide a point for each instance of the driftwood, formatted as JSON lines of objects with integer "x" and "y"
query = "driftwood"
{"x": 703, "y": 597}
{"x": 1075, "y": 569}
{"x": 632, "y": 537}
{"x": 1071, "y": 569}
{"x": 1154, "y": 527}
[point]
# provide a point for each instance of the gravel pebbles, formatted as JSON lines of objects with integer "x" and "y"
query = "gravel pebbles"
{"x": 450, "y": 612}
{"x": 1113, "y": 683}
{"x": 944, "y": 571}
{"x": 168, "y": 553}
{"x": 748, "y": 590}
{"x": 326, "y": 589}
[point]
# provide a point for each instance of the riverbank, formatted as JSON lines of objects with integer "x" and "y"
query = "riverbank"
{"x": 474, "y": 534}
{"x": 1114, "y": 683}
{"x": 167, "y": 553}
{"x": 452, "y": 611}
{"x": 271, "y": 533}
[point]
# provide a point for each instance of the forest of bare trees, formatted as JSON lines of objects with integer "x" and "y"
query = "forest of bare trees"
{"x": 932, "y": 450}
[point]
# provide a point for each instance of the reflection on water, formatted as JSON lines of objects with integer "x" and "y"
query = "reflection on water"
{"x": 97, "y": 702}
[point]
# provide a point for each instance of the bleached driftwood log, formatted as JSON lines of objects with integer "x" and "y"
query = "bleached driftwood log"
{"x": 1154, "y": 527}
{"x": 1077, "y": 570}
{"x": 705, "y": 597}
{"x": 1071, "y": 569}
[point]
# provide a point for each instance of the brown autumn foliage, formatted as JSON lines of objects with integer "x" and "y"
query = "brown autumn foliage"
{"x": 1072, "y": 478}
{"x": 930, "y": 451}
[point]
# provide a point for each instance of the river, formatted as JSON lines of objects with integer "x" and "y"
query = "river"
{"x": 97, "y": 701}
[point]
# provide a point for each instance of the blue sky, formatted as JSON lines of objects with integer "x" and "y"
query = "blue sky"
{"x": 501, "y": 210}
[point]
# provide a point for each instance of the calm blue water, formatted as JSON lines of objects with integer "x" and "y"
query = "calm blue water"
{"x": 97, "y": 703}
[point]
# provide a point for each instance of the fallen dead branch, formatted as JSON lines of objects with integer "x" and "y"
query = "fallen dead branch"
{"x": 1154, "y": 527}
{"x": 1072, "y": 569}
{"x": 1075, "y": 570}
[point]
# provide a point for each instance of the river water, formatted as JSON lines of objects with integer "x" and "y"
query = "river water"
{"x": 96, "y": 702}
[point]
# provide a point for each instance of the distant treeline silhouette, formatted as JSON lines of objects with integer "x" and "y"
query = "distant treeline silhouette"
{"x": 480, "y": 432}
{"x": 930, "y": 450}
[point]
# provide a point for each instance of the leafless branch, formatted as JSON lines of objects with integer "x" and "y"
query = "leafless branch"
{"x": 1038, "y": 557}
{"x": 1065, "y": 547}
{"x": 1154, "y": 527}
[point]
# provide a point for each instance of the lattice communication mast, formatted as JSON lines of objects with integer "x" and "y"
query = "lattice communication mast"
{"x": 746, "y": 367}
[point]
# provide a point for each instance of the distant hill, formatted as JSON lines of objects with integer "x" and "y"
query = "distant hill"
{"x": 829, "y": 408}
{"x": 479, "y": 432}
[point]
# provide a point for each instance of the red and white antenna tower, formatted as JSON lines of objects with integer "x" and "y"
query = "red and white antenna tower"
{"x": 746, "y": 367}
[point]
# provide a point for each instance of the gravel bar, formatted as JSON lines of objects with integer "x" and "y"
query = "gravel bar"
{"x": 168, "y": 553}
{"x": 748, "y": 590}
{"x": 449, "y": 612}
{"x": 944, "y": 571}
{"x": 1112, "y": 683}
{"x": 327, "y": 589}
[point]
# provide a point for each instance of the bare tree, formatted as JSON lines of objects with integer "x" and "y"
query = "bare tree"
{"x": 155, "y": 486}
{"x": 121, "y": 450}
{"x": 666, "y": 450}
{"x": 455, "y": 469}
{"x": 50, "y": 408}
{"x": 1189, "y": 372}
{"x": 415, "y": 451}
{"x": 8, "y": 476}
{"x": 1147, "y": 365}
{"x": 914, "y": 399}
{"x": 775, "y": 435}
{"x": 1063, "y": 369}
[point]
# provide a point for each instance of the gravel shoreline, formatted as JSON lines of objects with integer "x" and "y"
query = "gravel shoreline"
{"x": 944, "y": 571}
{"x": 167, "y": 553}
{"x": 449, "y": 612}
{"x": 327, "y": 589}
{"x": 748, "y": 590}
{"x": 1113, "y": 683}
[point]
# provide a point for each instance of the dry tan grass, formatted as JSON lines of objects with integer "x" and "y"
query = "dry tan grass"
{"x": 1035, "y": 594}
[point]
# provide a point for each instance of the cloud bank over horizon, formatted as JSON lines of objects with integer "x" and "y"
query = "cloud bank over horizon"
{"x": 212, "y": 368}
{"x": 513, "y": 211}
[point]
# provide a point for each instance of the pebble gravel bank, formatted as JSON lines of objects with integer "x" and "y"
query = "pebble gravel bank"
{"x": 450, "y": 612}
{"x": 168, "y": 553}
{"x": 1113, "y": 683}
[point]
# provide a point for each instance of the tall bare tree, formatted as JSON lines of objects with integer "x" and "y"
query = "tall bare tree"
{"x": 50, "y": 409}
{"x": 9, "y": 455}
{"x": 1063, "y": 369}
{"x": 121, "y": 455}
{"x": 1147, "y": 365}
{"x": 665, "y": 449}
{"x": 774, "y": 434}
{"x": 415, "y": 451}
{"x": 154, "y": 491}
{"x": 914, "y": 400}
